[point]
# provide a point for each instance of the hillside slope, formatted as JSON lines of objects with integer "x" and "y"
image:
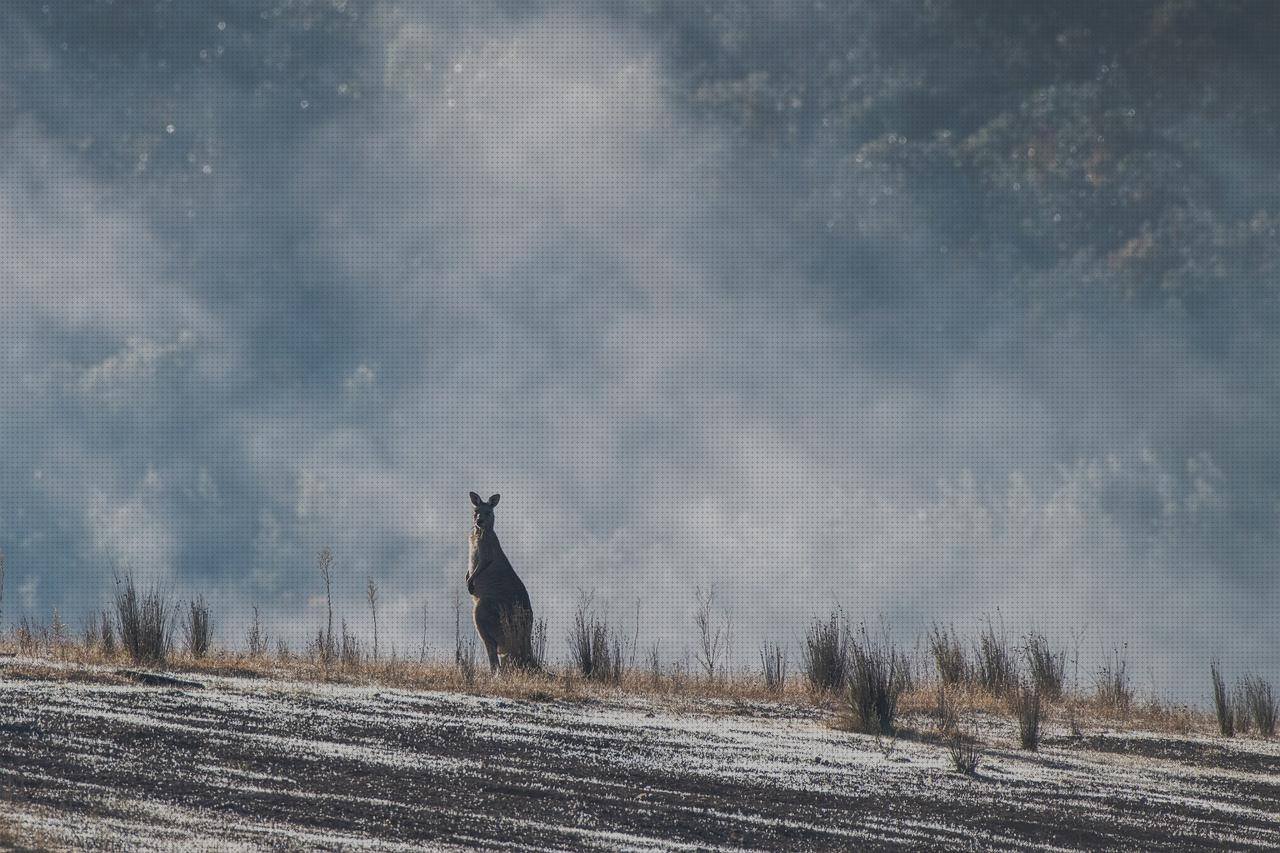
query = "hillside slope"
{"x": 269, "y": 764}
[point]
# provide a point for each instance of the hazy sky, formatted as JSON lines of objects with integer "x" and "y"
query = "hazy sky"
{"x": 280, "y": 277}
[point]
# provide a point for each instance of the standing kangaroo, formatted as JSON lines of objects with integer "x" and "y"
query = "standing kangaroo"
{"x": 503, "y": 614}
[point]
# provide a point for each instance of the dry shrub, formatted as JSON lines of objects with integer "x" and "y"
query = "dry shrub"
{"x": 1259, "y": 704}
{"x": 92, "y": 636}
{"x": 878, "y": 675}
{"x": 325, "y": 647}
{"x": 197, "y": 628}
{"x": 596, "y": 651}
{"x": 825, "y": 655}
{"x": 946, "y": 711}
{"x": 996, "y": 667}
{"x": 1025, "y": 703}
{"x": 1046, "y": 668}
{"x": 538, "y": 643}
{"x": 257, "y": 641}
{"x": 965, "y": 755}
{"x": 145, "y": 622}
{"x": 948, "y": 656}
{"x": 1111, "y": 684}
{"x": 713, "y": 637}
{"x": 28, "y": 635}
{"x": 1222, "y": 703}
{"x": 350, "y": 653}
{"x": 464, "y": 660}
{"x": 653, "y": 663}
{"x": 371, "y": 595}
{"x": 58, "y": 635}
{"x": 107, "y": 635}
{"x": 773, "y": 661}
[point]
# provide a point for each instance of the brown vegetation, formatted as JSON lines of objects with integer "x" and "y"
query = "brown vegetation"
{"x": 825, "y": 655}
{"x": 878, "y": 676}
{"x": 1026, "y": 704}
{"x": 145, "y": 620}
{"x": 876, "y": 691}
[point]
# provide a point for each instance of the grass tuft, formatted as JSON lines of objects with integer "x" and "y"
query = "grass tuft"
{"x": 1026, "y": 705}
{"x": 107, "y": 635}
{"x": 257, "y": 642}
{"x": 197, "y": 629}
{"x": 145, "y": 622}
{"x": 595, "y": 650}
{"x": 1259, "y": 702}
{"x": 653, "y": 664}
{"x": 878, "y": 676}
{"x": 997, "y": 668}
{"x": 350, "y": 652}
{"x": 965, "y": 755}
{"x": 949, "y": 656}
{"x": 1222, "y": 704}
{"x": 773, "y": 662}
{"x": 1046, "y": 668}
{"x": 948, "y": 718}
{"x": 1111, "y": 684}
{"x": 714, "y": 637}
{"x": 825, "y": 656}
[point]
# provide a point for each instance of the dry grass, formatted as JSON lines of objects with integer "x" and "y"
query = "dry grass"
{"x": 595, "y": 649}
{"x": 1027, "y": 707}
{"x": 653, "y": 664}
{"x": 1258, "y": 703}
{"x": 825, "y": 656}
{"x": 325, "y": 646}
{"x": 257, "y": 640}
{"x": 675, "y": 689}
{"x": 1111, "y": 684}
{"x": 714, "y": 637}
{"x": 145, "y": 620}
{"x": 1223, "y": 706}
{"x": 197, "y": 628}
{"x": 773, "y": 667}
{"x": 948, "y": 656}
{"x": 996, "y": 668}
{"x": 107, "y": 634}
{"x": 1085, "y": 712}
{"x": 878, "y": 676}
{"x": 877, "y": 689}
{"x": 948, "y": 718}
{"x": 965, "y": 754}
{"x": 1046, "y": 667}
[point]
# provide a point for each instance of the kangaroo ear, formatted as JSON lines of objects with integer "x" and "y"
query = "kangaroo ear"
{"x": 493, "y": 501}
{"x": 475, "y": 499}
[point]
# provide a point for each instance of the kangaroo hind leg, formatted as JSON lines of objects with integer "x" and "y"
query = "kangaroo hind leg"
{"x": 488, "y": 634}
{"x": 491, "y": 648}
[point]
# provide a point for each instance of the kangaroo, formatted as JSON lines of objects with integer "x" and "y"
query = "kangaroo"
{"x": 503, "y": 614}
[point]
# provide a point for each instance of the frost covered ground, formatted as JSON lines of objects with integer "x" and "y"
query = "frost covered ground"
{"x": 252, "y": 763}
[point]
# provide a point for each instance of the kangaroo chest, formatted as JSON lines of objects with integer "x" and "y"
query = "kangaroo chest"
{"x": 489, "y": 570}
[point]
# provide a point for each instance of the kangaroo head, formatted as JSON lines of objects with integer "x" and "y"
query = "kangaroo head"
{"x": 482, "y": 512}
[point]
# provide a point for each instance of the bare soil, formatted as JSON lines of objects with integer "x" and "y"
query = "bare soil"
{"x": 226, "y": 762}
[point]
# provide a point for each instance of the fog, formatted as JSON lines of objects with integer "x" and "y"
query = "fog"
{"x": 927, "y": 312}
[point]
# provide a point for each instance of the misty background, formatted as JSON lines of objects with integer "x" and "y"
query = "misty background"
{"x": 929, "y": 309}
